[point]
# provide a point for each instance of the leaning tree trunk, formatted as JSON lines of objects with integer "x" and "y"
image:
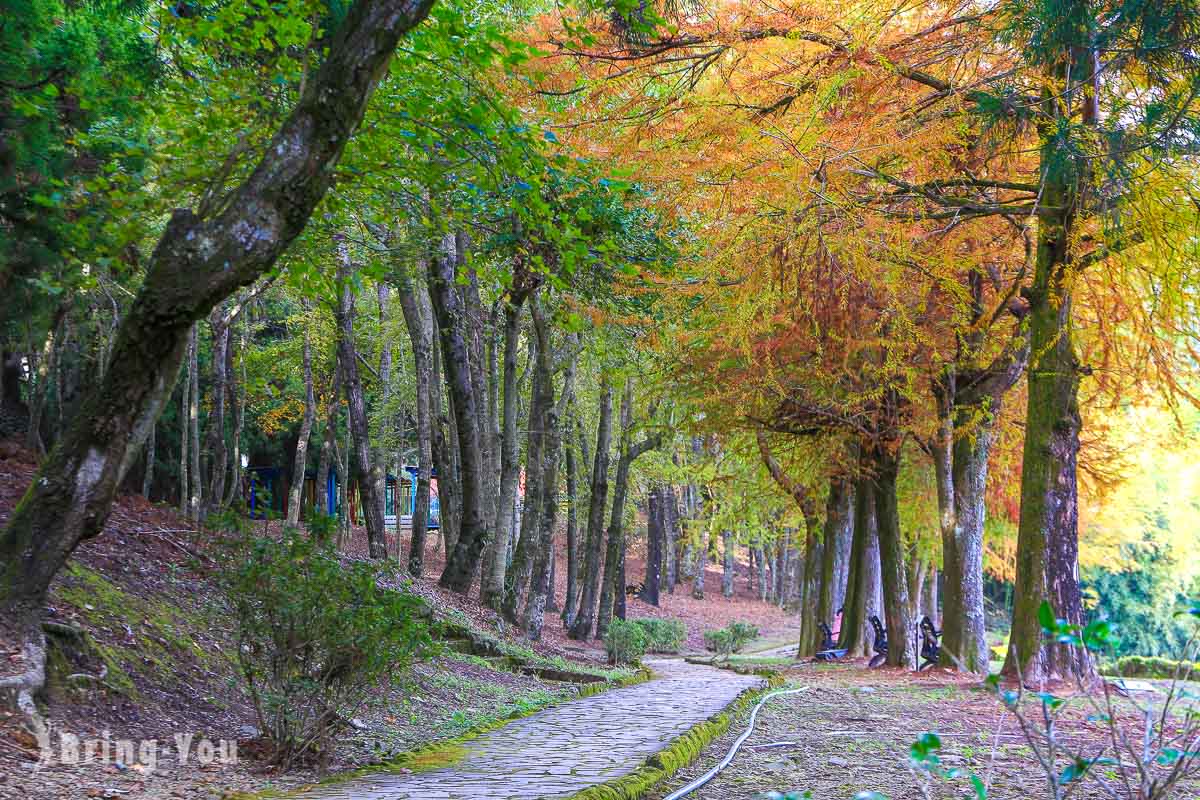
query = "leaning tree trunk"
{"x": 496, "y": 561}
{"x": 590, "y": 583}
{"x": 299, "y": 464}
{"x": 420, "y": 332}
{"x": 366, "y": 469}
{"x": 891, "y": 562}
{"x": 199, "y": 260}
{"x": 464, "y": 396}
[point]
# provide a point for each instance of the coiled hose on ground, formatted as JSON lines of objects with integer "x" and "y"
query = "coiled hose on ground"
{"x": 724, "y": 762}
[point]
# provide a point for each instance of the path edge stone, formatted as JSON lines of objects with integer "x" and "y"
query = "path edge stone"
{"x": 445, "y": 752}
{"x": 681, "y": 752}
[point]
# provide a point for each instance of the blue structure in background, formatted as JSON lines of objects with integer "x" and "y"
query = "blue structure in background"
{"x": 266, "y": 494}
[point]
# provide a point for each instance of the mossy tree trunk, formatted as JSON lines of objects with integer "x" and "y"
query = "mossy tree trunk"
{"x": 197, "y": 262}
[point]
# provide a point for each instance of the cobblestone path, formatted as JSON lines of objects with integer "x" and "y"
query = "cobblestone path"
{"x": 566, "y": 748}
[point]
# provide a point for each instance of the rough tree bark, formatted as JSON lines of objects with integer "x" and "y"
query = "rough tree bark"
{"x": 655, "y": 533}
{"x": 464, "y": 396}
{"x": 590, "y": 582}
{"x": 366, "y": 469}
{"x": 541, "y": 583}
{"x": 300, "y": 462}
{"x": 197, "y": 262}
{"x": 541, "y": 399}
{"x": 419, "y": 323}
{"x": 863, "y": 580}
{"x": 891, "y": 561}
{"x": 572, "y": 594}
{"x": 727, "y": 563}
{"x": 614, "y": 559}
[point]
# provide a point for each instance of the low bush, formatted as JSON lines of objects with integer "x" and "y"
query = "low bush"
{"x": 662, "y": 635}
{"x": 730, "y": 639}
{"x": 625, "y": 642}
{"x": 316, "y": 637}
{"x": 1152, "y": 667}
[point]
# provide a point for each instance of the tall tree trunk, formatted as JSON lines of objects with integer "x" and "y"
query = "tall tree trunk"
{"x": 837, "y": 521}
{"x": 671, "y": 538}
{"x": 237, "y": 404}
{"x": 366, "y": 469}
{"x": 727, "y": 564}
{"x": 614, "y": 559}
{"x": 863, "y": 578}
{"x": 197, "y": 495}
{"x": 1048, "y": 531}
{"x": 701, "y": 563}
{"x": 185, "y": 388}
{"x": 419, "y": 322}
{"x": 814, "y": 552}
{"x": 473, "y": 533}
{"x": 493, "y": 585}
{"x": 654, "y": 545}
{"x": 572, "y": 595}
{"x": 329, "y": 442}
{"x": 761, "y": 557}
{"x": 541, "y": 582}
{"x": 586, "y": 615}
{"x": 443, "y": 445}
{"x": 218, "y": 322}
{"x": 300, "y": 463}
{"x": 44, "y": 372}
{"x": 531, "y": 516}
{"x": 929, "y": 599}
{"x": 384, "y": 425}
{"x": 148, "y": 475}
{"x": 891, "y": 561}
{"x": 199, "y": 260}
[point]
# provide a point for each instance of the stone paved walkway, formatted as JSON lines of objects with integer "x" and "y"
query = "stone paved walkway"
{"x": 566, "y": 748}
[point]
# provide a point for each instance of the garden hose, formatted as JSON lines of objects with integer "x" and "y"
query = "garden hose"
{"x": 724, "y": 762}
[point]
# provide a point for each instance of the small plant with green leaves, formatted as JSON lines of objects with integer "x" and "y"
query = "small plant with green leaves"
{"x": 625, "y": 642}
{"x": 662, "y": 635}
{"x": 316, "y": 637}
{"x": 730, "y": 639}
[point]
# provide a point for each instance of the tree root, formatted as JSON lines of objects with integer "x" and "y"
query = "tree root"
{"x": 18, "y": 691}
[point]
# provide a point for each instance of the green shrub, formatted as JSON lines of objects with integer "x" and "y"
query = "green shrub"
{"x": 730, "y": 639}
{"x": 625, "y": 642}
{"x": 1152, "y": 667}
{"x": 662, "y": 635}
{"x": 315, "y": 637}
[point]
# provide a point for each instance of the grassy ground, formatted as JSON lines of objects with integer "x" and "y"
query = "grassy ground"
{"x": 852, "y": 729}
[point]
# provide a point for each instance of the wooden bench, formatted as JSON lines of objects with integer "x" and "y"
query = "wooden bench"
{"x": 829, "y": 650}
